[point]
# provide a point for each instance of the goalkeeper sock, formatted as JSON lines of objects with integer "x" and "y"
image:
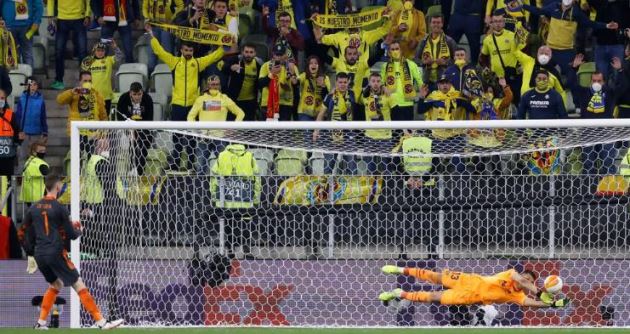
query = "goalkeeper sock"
{"x": 49, "y": 299}
{"x": 425, "y": 275}
{"x": 420, "y": 296}
{"x": 90, "y": 305}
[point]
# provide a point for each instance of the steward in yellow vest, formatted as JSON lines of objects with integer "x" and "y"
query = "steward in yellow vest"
{"x": 35, "y": 169}
{"x": 237, "y": 185}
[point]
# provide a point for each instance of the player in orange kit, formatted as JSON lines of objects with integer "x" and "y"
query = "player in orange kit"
{"x": 466, "y": 289}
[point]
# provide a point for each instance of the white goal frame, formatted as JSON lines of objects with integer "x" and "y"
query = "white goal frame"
{"x": 76, "y": 126}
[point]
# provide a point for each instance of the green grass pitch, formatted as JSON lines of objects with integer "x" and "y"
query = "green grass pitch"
{"x": 332, "y": 331}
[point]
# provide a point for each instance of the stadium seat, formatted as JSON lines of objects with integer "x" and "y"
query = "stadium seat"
{"x": 377, "y": 67}
{"x": 244, "y": 25}
{"x": 129, "y": 73}
{"x": 156, "y": 162}
{"x": 264, "y": 160}
{"x": 317, "y": 163}
{"x": 584, "y": 74}
{"x": 114, "y": 106}
{"x": 141, "y": 50}
{"x": 160, "y": 104}
{"x": 18, "y": 78}
{"x": 40, "y": 46}
{"x": 290, "y": 162}
{"x": 162, "y": 79}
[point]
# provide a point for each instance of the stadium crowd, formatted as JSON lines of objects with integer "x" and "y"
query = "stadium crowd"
{"x": 519, "y": 60}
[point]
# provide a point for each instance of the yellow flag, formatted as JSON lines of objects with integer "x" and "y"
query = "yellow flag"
{"x": 357, "y": 20}
{"x": 198, "y": 35}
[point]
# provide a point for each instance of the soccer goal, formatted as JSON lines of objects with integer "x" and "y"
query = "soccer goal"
{"x": 289, "y": 223}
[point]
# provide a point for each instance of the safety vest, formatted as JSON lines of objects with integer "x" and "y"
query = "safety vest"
{"x": 7, "y": 146}
{"x": 414, "y": 164}
{"x": 32, "y": 180}
{"x": 624, "y": 167}
{"x": 238, "y": 188}
{"x": 92, "y": 188}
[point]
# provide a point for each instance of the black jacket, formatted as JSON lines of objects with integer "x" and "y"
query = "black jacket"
{"x": 125, "y": 108}
{"x": 5, "y": 81}
{"x": 234, "y": 82}
{"x": 133, "y": 9}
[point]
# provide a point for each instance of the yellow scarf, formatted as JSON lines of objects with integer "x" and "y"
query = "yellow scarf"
{"x": 21, "y": 10}
{"x": 8, "y": 51}
{"x": 406, "y": 17}
{"x": 390, "y": 81}
{"x": 436, "y": 52}
{"x": 443, "y": 105}
{"x": 285, "y": 6}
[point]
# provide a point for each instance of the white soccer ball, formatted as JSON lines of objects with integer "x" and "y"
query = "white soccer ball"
{"x": 553, "y": 284}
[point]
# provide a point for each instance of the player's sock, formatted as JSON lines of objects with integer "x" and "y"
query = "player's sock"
{"x": 90, "y": 305}
{"x": 425, "y": 275}
{"x": 47, "y": 303}
{"x": 419, "y": 296}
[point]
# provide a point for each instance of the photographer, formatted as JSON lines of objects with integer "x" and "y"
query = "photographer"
{"x": 84, "y": 104}
{"x": 31, "y": 113}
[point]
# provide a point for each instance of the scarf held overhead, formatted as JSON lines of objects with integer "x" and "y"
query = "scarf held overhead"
{"x": 197, "y": 35}
{"x": 346, "y": 21}
{"x": 408, "y": 89}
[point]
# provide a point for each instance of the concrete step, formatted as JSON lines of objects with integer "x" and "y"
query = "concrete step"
{"x": 55, "y": 140}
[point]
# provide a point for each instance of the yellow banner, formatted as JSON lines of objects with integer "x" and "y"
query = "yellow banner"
{"x": 358, "y": 20}
{"x": 316, "y": 190}
{"x": 197, "y": 35}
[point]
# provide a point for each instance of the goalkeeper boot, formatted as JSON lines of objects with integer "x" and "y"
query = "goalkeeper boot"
{"x": 389, "y": 295}
{"x": 111, "y": 324}
{"x": 40, "y": 327}
{"x": 392, "y": 270}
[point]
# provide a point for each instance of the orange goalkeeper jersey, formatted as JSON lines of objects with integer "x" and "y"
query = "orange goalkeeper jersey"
{"x": 468, "y": 289}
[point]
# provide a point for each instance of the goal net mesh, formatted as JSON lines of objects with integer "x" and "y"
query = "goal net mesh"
{"x": 291, "y": 226}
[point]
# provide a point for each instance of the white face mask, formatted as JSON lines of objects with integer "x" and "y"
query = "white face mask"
{"x": 105, "y": 154}
{"x": 2, "y": 103}
{"x": 596, "y": 86}
{"x": 544, "y": 59}
{"x": 567, "y": 3}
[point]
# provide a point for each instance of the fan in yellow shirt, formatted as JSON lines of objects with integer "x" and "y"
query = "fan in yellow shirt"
{"x": 212, "y": 106}
{"x": 354, "y": 65}
{"x": 314, "y": 86}
{"x": 378, "y": 105}
{"x": 101, "y": 67}
{"x": 277, "y": 78}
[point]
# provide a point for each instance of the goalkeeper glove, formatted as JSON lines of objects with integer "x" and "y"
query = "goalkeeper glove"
{"x": 31, "y": 266}
{"x": 560, "y": 303}
{"x": 545, "y": 297}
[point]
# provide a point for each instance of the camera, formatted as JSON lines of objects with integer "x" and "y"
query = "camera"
{"x": 277, "y": 63}
{"x": 106, "y": 41}
{"x": 28, "y": 83}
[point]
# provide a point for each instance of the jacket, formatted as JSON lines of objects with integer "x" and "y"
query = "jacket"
{"x": 5, "y": 81}
{"x": 610, "y": 93}
{"x": 151, "y": 9}
{"x": 31, "y": 112}
{"x": 235, "y": 80}
{"x": 97, "y": 113}
{"x": 185, "y": 72}
{"x": 125, "y": 108}
{"x": 35, "y": 13}
{"x": 69, "y": 9}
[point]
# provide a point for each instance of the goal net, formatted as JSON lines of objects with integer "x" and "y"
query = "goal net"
{"x": 272, "y": 223}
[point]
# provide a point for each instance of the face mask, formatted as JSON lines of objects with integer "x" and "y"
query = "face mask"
{"x": 408, "y": 5}
{"x": 213, "y": 92}
{"x": 41, "y": 155}
{"x": 567, "y": 3}
{"x": 544, "y": 59}
{"x": 597, "y": 87}
{"x": 105, "y": 154}
{"x": 395, "y": 54}
{"x": 87, "y": 85}
{"x": 2, "y": 103}
{"x": 460, "y": 62}
{"x": 542, "y": 85}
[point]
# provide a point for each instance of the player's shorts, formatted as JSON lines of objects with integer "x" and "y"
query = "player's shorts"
{"x": 57, "y": 266}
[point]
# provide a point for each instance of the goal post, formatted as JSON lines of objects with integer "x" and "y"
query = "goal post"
{"x": 288, "y": 223}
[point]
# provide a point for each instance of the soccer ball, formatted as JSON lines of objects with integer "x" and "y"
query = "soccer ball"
{"x": 553, "y": 284}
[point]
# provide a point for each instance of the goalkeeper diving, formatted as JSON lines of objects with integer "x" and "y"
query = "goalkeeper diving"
{"x": 467, "y": 289}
